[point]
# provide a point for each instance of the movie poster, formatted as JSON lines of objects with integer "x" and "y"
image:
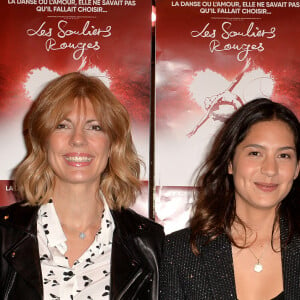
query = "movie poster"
{"x": 211, "y": 58}
{"x": 42, "y": 39}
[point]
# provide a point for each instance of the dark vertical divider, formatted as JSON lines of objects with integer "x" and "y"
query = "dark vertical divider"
{"x": 152, "y": 123}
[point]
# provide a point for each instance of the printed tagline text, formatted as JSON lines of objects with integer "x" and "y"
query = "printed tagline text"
{"x": 236, "y": 7}
{"x": 73, "y": 6}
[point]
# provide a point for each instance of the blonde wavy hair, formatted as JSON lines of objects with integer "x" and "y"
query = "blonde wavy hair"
{"x": 35, "y": 180}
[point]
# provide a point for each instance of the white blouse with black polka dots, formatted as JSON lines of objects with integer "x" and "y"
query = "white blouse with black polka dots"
{"x": 89, "y": 277}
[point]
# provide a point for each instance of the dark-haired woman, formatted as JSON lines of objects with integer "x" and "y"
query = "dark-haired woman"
{"x": 74, "y": 237}
{"x": 243, "y": 241}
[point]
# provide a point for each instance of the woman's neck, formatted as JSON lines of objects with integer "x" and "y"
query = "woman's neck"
{"x": 261, "y": 227}
{"x": 77, "y": 206}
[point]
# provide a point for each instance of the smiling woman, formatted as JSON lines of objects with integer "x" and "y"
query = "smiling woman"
{"x": 264, "y": 166}
{"x": 77, "y": 181}
{"x": 78, "y": 149}
{"x": 67, "y": 106}
{"x": 245, "y": 228}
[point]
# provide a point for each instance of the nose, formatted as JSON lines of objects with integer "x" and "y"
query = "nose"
{"x": 77, "y": 138}
{"x": 269, "y": 166}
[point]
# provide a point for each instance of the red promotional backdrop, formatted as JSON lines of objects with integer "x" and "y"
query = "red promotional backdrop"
{"x": 42, "y": 39}
{"x": 211, "y": 57}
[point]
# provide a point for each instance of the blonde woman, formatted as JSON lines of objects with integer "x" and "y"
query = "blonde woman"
{"x": 73, "y": 236}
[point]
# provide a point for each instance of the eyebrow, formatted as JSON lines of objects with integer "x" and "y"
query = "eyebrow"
{"x": 263, "y": 147}
{"x": 91, "y": 121}
{"x": 88, "y": 121}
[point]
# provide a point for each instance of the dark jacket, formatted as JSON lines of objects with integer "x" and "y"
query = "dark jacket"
{"x": 210, "y": 275}
{"x": 136, "y": 252}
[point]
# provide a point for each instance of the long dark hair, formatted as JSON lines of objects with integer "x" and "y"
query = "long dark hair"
{"x": 214, "y": 205}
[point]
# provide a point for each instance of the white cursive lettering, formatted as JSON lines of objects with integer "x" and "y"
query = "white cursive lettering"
{"x": 79, "y": 48}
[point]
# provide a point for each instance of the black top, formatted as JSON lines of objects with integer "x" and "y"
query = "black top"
{"x": 279, "y": 297}
{"x": 210, "y": 275}
{"x": 136, "y": 251}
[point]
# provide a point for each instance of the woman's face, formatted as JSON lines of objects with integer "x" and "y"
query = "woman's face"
{"x": 78, "y": 149}
{"x": 264, "y": 165}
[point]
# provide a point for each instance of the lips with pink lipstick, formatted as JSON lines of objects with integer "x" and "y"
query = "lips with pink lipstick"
{"x": 78, "y": 159}
{"x": 266, "y": 187}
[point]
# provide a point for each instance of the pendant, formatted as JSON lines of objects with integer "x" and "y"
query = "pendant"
{"x": 258, "y": 267}
{"x": 82, "y": 235}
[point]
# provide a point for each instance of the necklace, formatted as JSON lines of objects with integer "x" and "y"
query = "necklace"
{"x": 82, "y": 235}
{"x": 258, "y": 267}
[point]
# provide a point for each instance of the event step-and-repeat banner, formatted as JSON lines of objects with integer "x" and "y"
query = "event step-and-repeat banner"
{"x": 42, "y": 39}
{"x": 211, "y": 58}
